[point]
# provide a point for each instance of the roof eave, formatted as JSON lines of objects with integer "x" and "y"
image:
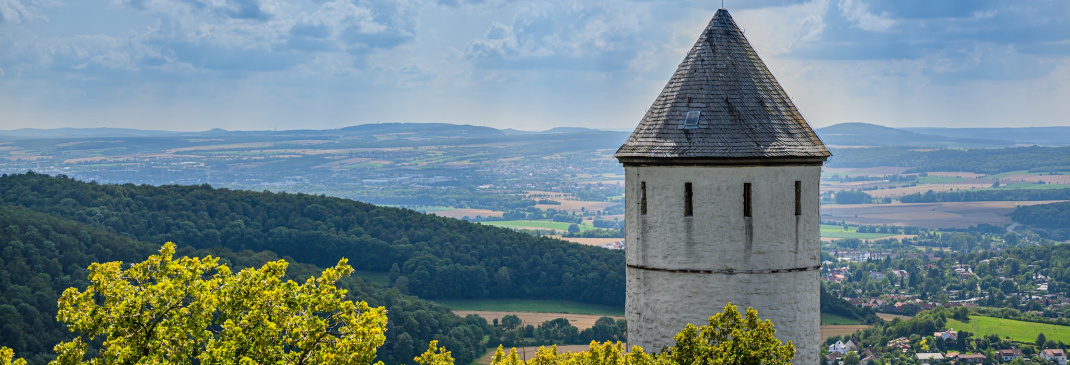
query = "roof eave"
{"x": 631, "y": 161}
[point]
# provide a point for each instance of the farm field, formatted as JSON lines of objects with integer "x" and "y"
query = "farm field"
{"x": 581, "y": 321}
{"x": 926, "y": 215}
{"x": 528, "y": 224}
{"x": 834, "y": 231}
{"x": 1017, "y": 330}
{"x": 829, "y": 330}
{"x": 889, "y": 316}
{"x": 589, "y": 241}
{"x": 568, "y": 202}
{"x": 531, "y": 305}
{"x": 471, "y": 213}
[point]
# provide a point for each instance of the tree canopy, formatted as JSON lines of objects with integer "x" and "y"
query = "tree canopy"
{"x": 195, "y": 310}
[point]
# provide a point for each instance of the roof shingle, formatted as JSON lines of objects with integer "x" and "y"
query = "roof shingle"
{"x": 745, "y": 114}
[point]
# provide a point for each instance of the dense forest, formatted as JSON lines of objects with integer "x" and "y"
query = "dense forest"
{"x": 1050, "y": 221}
{"x": 42, "y": 255}
{"x": 432, "y": 253}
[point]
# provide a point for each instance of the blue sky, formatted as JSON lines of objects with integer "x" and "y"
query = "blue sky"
{"x": 290, "y": 64}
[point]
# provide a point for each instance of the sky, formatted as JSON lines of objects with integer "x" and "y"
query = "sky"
{"x": 194, "y": 65}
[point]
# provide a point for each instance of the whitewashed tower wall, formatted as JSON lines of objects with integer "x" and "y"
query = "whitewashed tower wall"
{"x": 684, "y": 269}
{"x": 722, "y": 179}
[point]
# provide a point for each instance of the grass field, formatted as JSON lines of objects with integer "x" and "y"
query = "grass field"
{"x": 1016, "y": 330}
{"x": 1033, "y": 186}
{"x": 835, "y": 231}
{"x": 938, "y": 179}
{"x": 828, "y": 318}
{"x": 531, "y": 305}
{"x": 561, "y": 226}
{"x": 1010, "y": 173}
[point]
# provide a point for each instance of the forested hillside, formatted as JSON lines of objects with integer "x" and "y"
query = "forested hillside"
{"x": 42, "y": 255}
{"x": 432, "y": 254}
{"x": 1049, "y": 220}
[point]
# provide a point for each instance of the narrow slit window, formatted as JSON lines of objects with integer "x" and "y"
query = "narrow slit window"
{"x": 691, "y": 119}
{"x": 798, "y": 197}
{"x": 746, "y": 200}
{"x": 689, "y": 208}
{"x": 642, "y": 197}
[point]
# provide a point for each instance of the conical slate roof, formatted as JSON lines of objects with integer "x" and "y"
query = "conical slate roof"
{"x": 743, "y": 113}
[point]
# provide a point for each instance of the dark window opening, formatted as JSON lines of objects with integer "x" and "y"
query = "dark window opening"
{"x": 746, "y": 200}
{"x": 798, "y": 198}
{"x": 642, "y": 198}
{"x": 688, "y": 206}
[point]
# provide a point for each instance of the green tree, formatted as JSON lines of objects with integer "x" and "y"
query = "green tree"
{"x": 511, "y": 321}
{"x": 1041, "y": 340}
{"x": 728, "y": 338}
{"x": 851, "y": 358}
{"x": 1010, "y": 238}
{"x": 7, "y": 357}
{"x": 731, "y": 338}
{"x": 195, "y": 310}
{"x": 573, "y": 228}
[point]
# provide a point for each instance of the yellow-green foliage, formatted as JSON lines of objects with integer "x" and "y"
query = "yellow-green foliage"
{"x": 728, "y": 338}
{"x": 7, "y": 355}
{"x": 194, "y": 310}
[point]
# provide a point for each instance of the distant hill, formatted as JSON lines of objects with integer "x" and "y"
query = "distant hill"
{"x": 1041, "y": 136}
{"x": 437, "y": 129}
{"x": 872, "y": 135}
{"x": 83, "y": 133}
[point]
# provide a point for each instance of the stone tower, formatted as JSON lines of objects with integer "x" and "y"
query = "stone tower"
{"x": 722, "y": 178}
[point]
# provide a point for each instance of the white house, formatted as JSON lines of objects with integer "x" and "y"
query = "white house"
{"x": 1057, "y": 356}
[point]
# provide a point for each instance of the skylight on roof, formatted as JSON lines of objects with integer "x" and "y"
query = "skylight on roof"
{"x": 691, "y": 120}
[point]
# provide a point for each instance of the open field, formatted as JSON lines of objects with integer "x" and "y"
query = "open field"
{"x": 590, "y": 241}
{"x": 1048, "y": 179}
{"x": 869, "y": 171}
{"x": 531, "y": 305}
{"x": 937, "y": 187}
{"x": 964, "y": 175}
{"x": 581, "y": 321}
{"x": 568, "y": 202}
{"x": 927, "y": 215}
{"x": 889, "y": 316}
{"x": 833, "y": 231}
{"x": 528, "y": 224}
{"x": 471, "y": 213}
{"x": 830, "y": 330}
{"x": 529, "y": 352}
{"x": 828, "y": 318}
{"x": 1017, "y": 330}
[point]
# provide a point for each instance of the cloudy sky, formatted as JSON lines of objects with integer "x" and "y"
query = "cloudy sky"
{"x": 289, "y": 64}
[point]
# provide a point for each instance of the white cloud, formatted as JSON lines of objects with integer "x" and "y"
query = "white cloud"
{"x": 858, "y": 12}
